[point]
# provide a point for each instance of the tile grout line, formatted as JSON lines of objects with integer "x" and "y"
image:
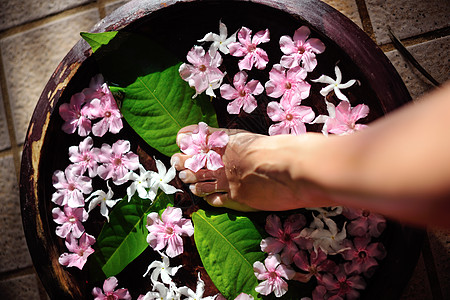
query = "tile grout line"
{"x": 418, "y": 39}
{"x": 365, "y": 19}
{"x": 16, "y": 273}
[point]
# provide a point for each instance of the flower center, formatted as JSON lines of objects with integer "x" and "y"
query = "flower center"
{"x": 71, "y": 187}
{"x": 273, "y": 275}
{"x": 108, "y": 114}
{"x": 288, "y": 86}
{"x": 202, "y": 68}
{"x": 86, "y": 158}
{"x": 242, "y": 93}
{"x": 362, "y": 254}
{"x": 313, "y": 270}
{"x": 111, "y": 297}
{"x": 169, "y": 230}
{"x": 286, "y": 237}
{"x": 72, "y": 219}
{"x": 365, "y": 213}
{"x": 289, "y": 117}
{"x": 343, "y": 287}
{"x": 301, "y": 50}
{"x": 251, "y": 48}
{"x": 117, "y": 161}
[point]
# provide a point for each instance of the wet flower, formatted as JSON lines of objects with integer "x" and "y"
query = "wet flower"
{"x": 167, "y": 230}
{"x": 109, "y": 292}
{"x": 326, "y": 212}
{"x": 334, "y": 85}
{"x": 75, "y": 116}
{"x": 244, "y": 296}
{"x": 299, "y": 50}
{"x": 85, "y": 157}
{"x": 329, "y": 240}
{"x": 105, "y": 108}
{"x": 70, "y": 187}
{"x": 201, "y": 146}
{"x": 362, "y": 255}
{"x": 70, "y": 220}
{"x": 290, "y": 85}
{"x": 283, "y": 237}
{"x": 163, "y": 269}
{"x": 316, "y": 264}
{"x": 247, "y": 47}
{"x": 241, "y": 93}
{"x": 104, "y": 200}
{"x": 342, "y": 285}
{"x": 291, "y": 117}
{"x": 364, "y": 222}
{"x": 140, "y": 184}
{"x": 272, "y": 273}
{"x": 161, "y": 179}
{"x": 80, "y": 250}
{"x": 117, "y": 161}
{"x": 160, "y": 291}
{"x": 219, "y": 41}
{"x": 203, "y": 72}
{"x": 198, "y": 294}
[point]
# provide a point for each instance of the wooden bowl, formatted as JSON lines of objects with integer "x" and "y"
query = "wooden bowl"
{"x": 177, "y": 25}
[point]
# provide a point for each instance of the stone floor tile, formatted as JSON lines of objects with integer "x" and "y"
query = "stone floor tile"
{"x": 432, "y": 55}
{"x": 17, "y": 12}
{"x": 4, "y": 135}
{"x": 418, "y": 286}
{"x": 110, "y": 7}
{"x": 407, "y": 18}
{"x": 30, "y": 57}
{"x": 14, "y": 251}
{"x": 348, "y": 8}
{"x": 23, "y": 287}
{"x": 440, "y": 246}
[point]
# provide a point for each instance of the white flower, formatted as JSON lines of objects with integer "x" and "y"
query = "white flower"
{"x": 104, "y": 199}
{"x": 323, "y": 118}
{"x": 162, "y": 268}
{"x": 220, "y": 41}
{"x": 160, "y": 291}
{"x": 329, "y": 240}
{"x": 198, "y": 294}
{"x": 161, "y": 179}
{"x": 335, "y": 85}
{"x": 140, "y": 183}
{"x": 214, "y": 84}
{"x": 326, "y": 212}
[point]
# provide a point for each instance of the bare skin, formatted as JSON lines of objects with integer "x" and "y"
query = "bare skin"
{"x": 399, "y": 166}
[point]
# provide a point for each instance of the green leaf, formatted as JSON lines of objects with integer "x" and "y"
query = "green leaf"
{"x": 155, "y": 101}
{"x": 125, "y": 237}
{"x": 96, "y": 40}
{"x": 228, "y": 245}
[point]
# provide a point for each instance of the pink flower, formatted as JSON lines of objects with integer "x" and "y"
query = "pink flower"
{"x": 80, "y": 249}
{"x": 201, "y": 146}
{"x": 75, "y": 116}
{"x": 70, "y": 220}
{"x": 97, "y": 88}
{"x": 316, "y": 263}
{"x": 342, "y": 285}
{"x": 283, "y": 237}
{"x": 105, "y": 108}
{"x": 117, "y": 161}
{"x": 167, "y": 230}
{"x": 70, "y": 187}
{"x": 247, "y": 47}
{"x": 362, "y": 255}
{"x": 85, "y": 157}
{"x": 110, "y": 293}
{"x": 364, "y": 222}
{"x": 343, "y": 120}
{"x": 203, "y": 72}
{"x": 291, "y": 117}
{"x": 290, "y": 84}
{"x": 241, "y": 93}
{"x": 300, "y": 51}
{"x": 272, "y": 272}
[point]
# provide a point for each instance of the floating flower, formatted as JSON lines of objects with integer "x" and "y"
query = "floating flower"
{"x": 334, "y": 85}
{"x": 161, "y": 179}
{"x": 316, "y": 264}
{"x": 75, "y": 116}
{"x": 85, "y": 157}
{"x": 167, "y": 230}
{"x": 362, "y": 255}
{"x": 291, "y": 117}
{"x": 105, "y": 108}
{"x": 329, "y": 240}
{"x": 326, "y": 212}
{"x": 300, "y": 51}
{"x": 198, "y": 294}
{"x": 247, "y": 47}
{"x": 104, "y": 200}
{"x": 80, "y": 250}
{"x": 219, "y": 41}
{"x": 200, "y": 145}
{"x": 203, "y": 72}
{"x": 241, "y": 93}
{"x": 141, "y": 183}
{"x": 117, "y": 161}
{"x": 342, "y": 285}
{"x": 272, "y": 272}
{"x": 160, "y": 291}
{"x": 244, "y": 296}
{"x": 283, "y": 237}
{"x": 342, "y": 119}
{"x": 163, "y": 269}
{"x": 70, "y": 187}
{"x": 70, "y": 220}
{"x": 290, "y": 85}
{"x": 364, "y": 222}
{"x": 109, "y": 292}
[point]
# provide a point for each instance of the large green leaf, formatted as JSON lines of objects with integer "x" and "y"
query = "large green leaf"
{"x": 228, "y": 245}
{"x": 156, "y": 101}
{"x": 124, "y": 237}
{"x": 96, "y": 40}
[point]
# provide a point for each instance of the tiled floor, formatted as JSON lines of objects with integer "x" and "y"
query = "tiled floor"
{"x": 29, "y": 29}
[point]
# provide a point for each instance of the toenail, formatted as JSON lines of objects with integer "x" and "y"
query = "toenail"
{"x": 180, "y": 137}
{"x": 182, "y": 175}
{"x": 175, "y": 160}
{"x": 192, "y": 188}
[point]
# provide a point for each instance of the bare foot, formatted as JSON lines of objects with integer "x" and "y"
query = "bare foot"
{"x": 255, "y": 177}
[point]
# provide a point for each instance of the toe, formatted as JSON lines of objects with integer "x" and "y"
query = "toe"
{"x": 177, "y": 160}
{"x": 222, "y": 200}
{"x": 188, "y": 176}
{"x": 202, "y": 189}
